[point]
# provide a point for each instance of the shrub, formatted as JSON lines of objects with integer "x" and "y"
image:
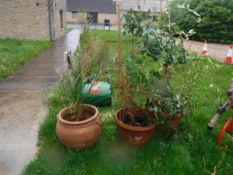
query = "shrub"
{"x": 167, "y": 48}
{"x": 216, "y": 19}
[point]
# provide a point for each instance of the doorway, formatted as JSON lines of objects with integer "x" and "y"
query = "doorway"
{"x": 92, "y": 17}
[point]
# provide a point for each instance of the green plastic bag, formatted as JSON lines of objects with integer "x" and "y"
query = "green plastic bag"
{"x": 99, "y": 94}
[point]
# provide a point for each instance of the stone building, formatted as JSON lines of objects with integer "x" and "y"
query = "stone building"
{"x": 153, "y": 6}
{"x": 97, "y": 10}
{"x": 32, "y": 19}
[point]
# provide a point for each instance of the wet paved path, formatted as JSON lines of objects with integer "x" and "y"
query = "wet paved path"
{"x": 217, "y": 51}
{"x": 21, "y": 104}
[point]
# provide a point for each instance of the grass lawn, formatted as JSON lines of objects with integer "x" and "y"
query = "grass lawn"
{"x": 191, "y": 150}
{"x": 14, "y": 53}
{"x": 68, "y": 30}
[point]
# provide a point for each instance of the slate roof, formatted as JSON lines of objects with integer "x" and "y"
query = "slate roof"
{"x": 100, "y": 6}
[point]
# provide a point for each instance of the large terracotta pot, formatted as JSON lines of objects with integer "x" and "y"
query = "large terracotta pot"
{"x": 135, "y": 135}
{"x": 79, "y": 134}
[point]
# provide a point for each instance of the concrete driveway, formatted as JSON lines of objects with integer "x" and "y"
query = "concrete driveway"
{"x": 21, "y": 104}
{"x": 217, "y": 51}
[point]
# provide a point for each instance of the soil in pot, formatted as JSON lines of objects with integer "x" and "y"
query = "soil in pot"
{"x": 84, "y": 116}
{"x": 140, "y": 120}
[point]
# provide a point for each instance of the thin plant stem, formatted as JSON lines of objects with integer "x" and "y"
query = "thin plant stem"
{"x": 125, "y": 89}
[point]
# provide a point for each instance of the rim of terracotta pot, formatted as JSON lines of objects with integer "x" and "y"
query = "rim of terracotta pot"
{"x": 134, "y": 128}
{"x": 75, "y": 123}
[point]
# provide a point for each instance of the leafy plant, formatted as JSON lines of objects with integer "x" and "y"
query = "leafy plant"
{"x": 134, "y": 27}
{"x": 133, "y": 23}
{"x": 171, "y": 106}
{"x": 72, "y": 84}
{"x": 162, "y": 98}
{"x": 173, "y": 52}
{"x": 90, "y": 60}
{"x": 165, "y": 48}
{"x": 127, "y": 91}
{"x": 153, "y": 44}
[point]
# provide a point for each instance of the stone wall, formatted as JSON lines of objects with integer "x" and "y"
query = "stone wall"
{"x": 70, "y": 19}
{"x": 28, "y": 19}
{"x": 24, "y": 19}
{"x": 83, "y": 15}
{"x": 59, "y": 9}
{"x": 154, "y": 5}
{"x": 111, "y": 17}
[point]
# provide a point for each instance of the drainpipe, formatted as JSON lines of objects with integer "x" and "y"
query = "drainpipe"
{"x": 51, "y": 20}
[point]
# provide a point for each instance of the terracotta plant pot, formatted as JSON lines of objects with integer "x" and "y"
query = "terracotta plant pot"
{"x": 175, "y": 121}
{"x": 135, "y": 135}
{"x": 79, "y": 134}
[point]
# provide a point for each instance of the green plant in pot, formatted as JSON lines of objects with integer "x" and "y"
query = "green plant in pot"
{"x": 169, "y": 110}
{"x": 163, "y": 47}
{"x": 136, "y": 125}
{"x": 168, "y": 105}
{"x": 79, "y": 125}
{"x": 158, "y": 94}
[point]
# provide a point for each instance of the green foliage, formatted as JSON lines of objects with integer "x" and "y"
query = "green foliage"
{"x": 139, "y": 79}
{"x": 133, "y": 26}
{"x": 68, "y": 30}
{"x": 153, "y": 44}
{"x": 173, "y": 52}
{"x": 15, "y": 53}
{"x": 192, "y": 150}
{"x": 216, "y": 19}
{"x": 133, "y": 23}
{"x": 171, "y": 103}
{"x": 90, "y": 61}
{"x": 72, "y": 80}
{"x": 71, "y": 85}
{"x": 165, "y": 48}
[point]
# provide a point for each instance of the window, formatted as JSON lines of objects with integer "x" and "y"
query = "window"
{"x": 74, "y": 14}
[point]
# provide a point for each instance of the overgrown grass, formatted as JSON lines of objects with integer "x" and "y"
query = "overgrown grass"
{"x": 192, "y": 150}
{"x": 14, "y": 53}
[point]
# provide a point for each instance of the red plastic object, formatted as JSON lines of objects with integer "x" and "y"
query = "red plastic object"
{"x": 228, "y": 127}
{"x": 176, "y": 121}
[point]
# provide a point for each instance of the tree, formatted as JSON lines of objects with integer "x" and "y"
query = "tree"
{"x": 216, "y": 18}
{"x": 133, "y": 26}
